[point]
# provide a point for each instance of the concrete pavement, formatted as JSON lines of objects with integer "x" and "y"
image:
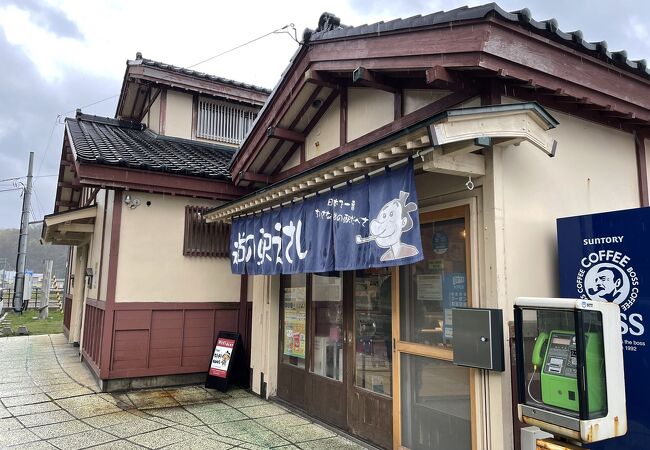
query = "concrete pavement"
{"x": 49, "y": 400}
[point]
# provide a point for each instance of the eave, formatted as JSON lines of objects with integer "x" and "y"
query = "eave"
{"x": 446, "y": 141}
{"x": 488, "y": 52}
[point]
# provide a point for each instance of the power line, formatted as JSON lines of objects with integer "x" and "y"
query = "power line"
{"x": 85, "y": 106}
{"x": 244, "y": 44}
{"x": 36, "y": 176}
{"x": 12, "y": 189}
{"x": 280, "y": 30}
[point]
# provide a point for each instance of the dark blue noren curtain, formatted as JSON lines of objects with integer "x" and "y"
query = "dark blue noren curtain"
{"x": 373, "y": 223}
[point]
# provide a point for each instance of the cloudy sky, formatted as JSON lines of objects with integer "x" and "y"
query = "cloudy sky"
{"x": 56, "y": 56}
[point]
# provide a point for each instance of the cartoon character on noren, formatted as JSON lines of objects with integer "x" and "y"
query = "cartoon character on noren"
{"x": 387, "y": 228}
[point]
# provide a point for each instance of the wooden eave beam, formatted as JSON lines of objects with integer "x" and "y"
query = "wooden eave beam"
{"x": 254, "y": 177}
{"x": 285, "y": 134}
{"x": 194, "y": 83}
{"x": 372, "y": 79}
{"x": 76, "y": 228}
{"x": 152, "y": 100}
{"x": 320, "y": 78}
{"x": 165, "y": 183}
{"x": 312, "y": 123}
{"x": 69, "y": 204}
{"x": 406, "y": 121}
{"x": 293, "y": 124}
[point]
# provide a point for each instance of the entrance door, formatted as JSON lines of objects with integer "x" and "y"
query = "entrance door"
{"x": 311, "y": 370}
{"x": 370, "y": 358}
{"x": 433, "y": 403}
{"x": 335, "y": 357}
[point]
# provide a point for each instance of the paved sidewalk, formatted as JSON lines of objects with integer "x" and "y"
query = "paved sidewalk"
{"x": 48, "y": 400}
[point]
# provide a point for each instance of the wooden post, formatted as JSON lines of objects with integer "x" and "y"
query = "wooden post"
{"x": 45, "y": 301}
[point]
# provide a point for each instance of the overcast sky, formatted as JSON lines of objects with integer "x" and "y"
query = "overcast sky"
{"x": 56, "y": 56}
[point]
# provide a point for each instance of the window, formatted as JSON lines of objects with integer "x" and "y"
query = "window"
{"x": 204, "y": 239}
{"x": 223, "y": 121}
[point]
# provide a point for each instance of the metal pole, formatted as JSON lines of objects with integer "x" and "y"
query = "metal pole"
{"x": 19, "y": 284}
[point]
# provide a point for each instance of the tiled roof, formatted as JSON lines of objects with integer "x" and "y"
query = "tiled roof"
{"x": 547, "y": 28}
{"x": 149, "y": 62}
{"x": 114, "y": 142}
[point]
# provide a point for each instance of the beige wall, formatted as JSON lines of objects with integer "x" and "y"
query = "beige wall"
{"x": 95, "y": 249}
{"x": 414, "y": 99}
{"x": 178, "y": 115}
{"x": 594, "y": 171}
{"x": 152, "y": 119}
{"x": 326, "y": 135}
{"x": 151, "y": 265}
{"x": 368, "y": 109}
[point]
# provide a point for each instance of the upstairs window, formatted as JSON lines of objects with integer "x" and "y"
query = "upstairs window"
{"x": 202, "y": 238}
{"x": 223, "y": 121}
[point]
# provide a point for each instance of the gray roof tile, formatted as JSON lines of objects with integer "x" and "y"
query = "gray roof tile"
{"x": 548, "y": 28}
{"x": 150, "y": 62}
{"x": 114, "y": 142}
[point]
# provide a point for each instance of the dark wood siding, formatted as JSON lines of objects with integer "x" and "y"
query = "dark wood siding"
{"x": 204, "y": 239}
{"x": 91, "y": 346}
{"x": 153, "y": 338}
{"x": 67, "y": 313}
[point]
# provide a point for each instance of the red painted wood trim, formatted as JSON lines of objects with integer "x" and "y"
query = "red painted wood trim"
{"x": 147, "y": 181}
{"x": 108, "y": 334}
{"x": 641, "y": 167}
{"x": 166, "y": 306}
{"x": 163, "y": 112}
{"x": 295, "y": 80}
{"x": 96, "y": 303}
{"x": 484, "y": 43}
{"x": 343, "y": 115}
{"x": 196, "y": 84}
{"x": 294, "y": 122}
{"x": 404, "y": 122}
{"x": 310, "y": 126}
{"x": 398, "y": 108}
{"x": 153, "y": 372}
{"x": 90, "y": 363}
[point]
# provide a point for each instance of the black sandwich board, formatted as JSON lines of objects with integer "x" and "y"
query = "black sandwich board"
{"x": 226, "y": 365}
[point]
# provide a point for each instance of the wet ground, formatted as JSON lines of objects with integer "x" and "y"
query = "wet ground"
{"x": 48, "y": 400}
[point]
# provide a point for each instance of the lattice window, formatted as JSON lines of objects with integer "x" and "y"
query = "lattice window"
{"x": 225, "y": 122}
{"x": 204, "y": 239}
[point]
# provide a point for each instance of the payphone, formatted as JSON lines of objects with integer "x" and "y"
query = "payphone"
{"x": 569, "y": 362}
{"x": 556, "y": 356}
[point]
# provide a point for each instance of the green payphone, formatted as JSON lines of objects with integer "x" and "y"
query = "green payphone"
{"x": 569, "y": 367}
{"x": 555, "y": 355}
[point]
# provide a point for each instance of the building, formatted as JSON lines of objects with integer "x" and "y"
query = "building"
{"x": 510, "y": 124}
{"x": 149, "y": 285}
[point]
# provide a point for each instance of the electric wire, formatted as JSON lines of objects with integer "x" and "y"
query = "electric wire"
{"x": 529, "y": 383}
{"x": 25, "y": 176}
{"x": 278, "y": 30}
{"x": 281, "y": 30}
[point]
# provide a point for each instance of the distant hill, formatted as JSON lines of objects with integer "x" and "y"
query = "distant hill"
{"x": 36, "y": 253}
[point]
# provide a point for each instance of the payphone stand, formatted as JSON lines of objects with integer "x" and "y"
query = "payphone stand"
{"x": 569, "y": 367}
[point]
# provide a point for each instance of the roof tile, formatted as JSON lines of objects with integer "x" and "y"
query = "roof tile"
{"x": 114, "y": 142}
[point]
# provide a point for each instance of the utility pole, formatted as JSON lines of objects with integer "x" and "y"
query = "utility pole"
{"x": 19, "y": 284}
